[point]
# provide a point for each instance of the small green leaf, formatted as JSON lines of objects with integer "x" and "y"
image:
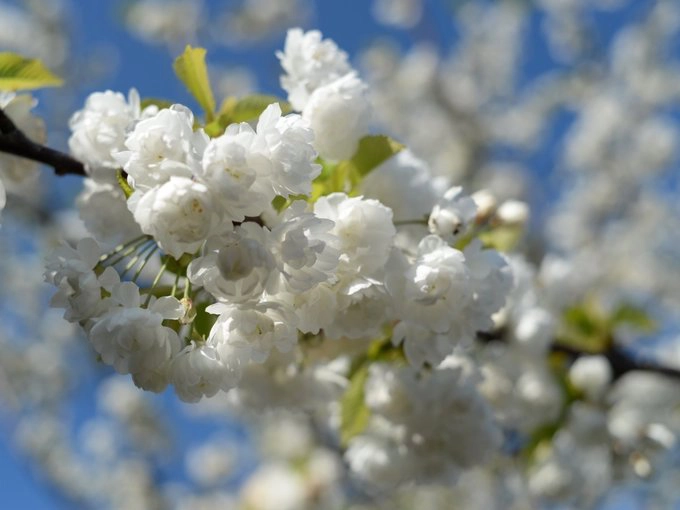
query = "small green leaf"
{"x": 322, "y": 184}
{"x": 630, "y": 315}
{"x": 153, "y": 101}
{"x": 20, "y": 73}
{"x": 204, "y": 321}
{"x": 353, "y": 410}
{"x": 585, "y": 327}
{"x": 191, "y": 69}
{"x": 346, "y": 176}
{"x": 280, "y": 203}
{"x": 124, "y": 185}
{"x": 502, "y": 238}
{"x": 373, "y": 151}
{"x": 251, "y": 107}
{"x": 245, "y": 109}
{"x": 583, "y": 320}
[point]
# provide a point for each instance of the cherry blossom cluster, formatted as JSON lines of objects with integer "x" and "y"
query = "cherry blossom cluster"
{"x": 213, "y": 267}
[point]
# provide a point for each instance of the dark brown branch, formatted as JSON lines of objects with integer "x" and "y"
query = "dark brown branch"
{"x": 620, "y": 360}
{"x": 14, "y": 141}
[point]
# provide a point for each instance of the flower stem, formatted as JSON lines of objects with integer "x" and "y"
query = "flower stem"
{"x": 155, "y": 282}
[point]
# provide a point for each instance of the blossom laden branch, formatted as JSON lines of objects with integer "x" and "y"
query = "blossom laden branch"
{"x": 14, "y": 141}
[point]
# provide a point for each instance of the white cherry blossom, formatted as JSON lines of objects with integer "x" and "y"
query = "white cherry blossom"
{"x": 180, "y": 214}
{"x": 309, "y": 62}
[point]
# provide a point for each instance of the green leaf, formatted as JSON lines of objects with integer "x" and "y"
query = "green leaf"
{"x": 153, "y": 101}
{"x": 251, "y": 107}
{"x": 354, "y": 414}
{"x": 204, "y": 321}
{"x": 630, "y": 315}
{"x": 124, "y": 185}
{"x": 190, "y": 68}
{"x": 502, "y": 238}
{"x": 20, "y": 73}
{"x": 583, "y": 320}
{"x": 346, "y": 176}
{"x": 245, "y": 109}
{"x": 280, "y": 203}
{"x": 322, "y": 185}
{"x": 373, "y": 151}
{"x": 585, "y": 327}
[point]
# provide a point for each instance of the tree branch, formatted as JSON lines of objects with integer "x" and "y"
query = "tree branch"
{"x": 620, "y": 360}
{"x": 14, "y": 141}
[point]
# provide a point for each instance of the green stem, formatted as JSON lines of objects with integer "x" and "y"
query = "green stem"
{"x": 175, "y": 285}
{"x": 120, "y": 256}
{"x": 187, "y": 289}
{"x": 411, "y": 222}
{"x": 146, "y": 260}
{"x": 155, "y": 282}
{"x": 133, "y": 260}
{"x": 121, "y": 247}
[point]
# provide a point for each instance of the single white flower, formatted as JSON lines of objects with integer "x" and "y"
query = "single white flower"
{"x": 289, "y": 150}
{"x": 248, "y": 333}
{"x": 180, "y": 214}
{"x": 339, "y": 114}
{"x": 103, "y": 208}
{"x": 237, "y": 267}
{"x": 449, "y": 291}
{"x": 535, "y": 329}
{"x": 364, "y": 229}
{"x": 100, "y": 128}
{"x": 302, "y": 246}
{"x": 591, "y": 375}
{"x": 436, "y": 287}
{"x": 362, "y": 309}
{"x": 452, "y": 215}
{"x": 230, "y": 168}
{"x": 513, "y": 212}
{"x": 79, "y": 288}
{"x": 162, "y": 146}
{"x": 133, "y": 339}
{"x": 199, "y": 371}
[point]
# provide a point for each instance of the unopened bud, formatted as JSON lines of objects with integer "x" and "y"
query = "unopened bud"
{"x": 513, "y": 212}
{"x": 189, "y": 311}
{"x": 486, "y": 204}
{"x": 451, "y": 216}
